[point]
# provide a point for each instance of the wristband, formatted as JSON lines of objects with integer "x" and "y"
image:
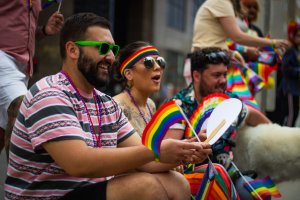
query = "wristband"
{"x": 273, "y": 43}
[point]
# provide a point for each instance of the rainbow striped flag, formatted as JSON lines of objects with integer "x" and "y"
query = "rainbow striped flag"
{"x": 167, "y": 115}
{"x": 263, "y": 70}
{"x": 222, "y": 188}
{"x": 207, "y": 182}
{"x": 264, "y": 187}
{"x": 237, "y": 84}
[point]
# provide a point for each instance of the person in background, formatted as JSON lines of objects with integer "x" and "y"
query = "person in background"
{"x": 71, "y": 141}
{"x": 252, "y": 7}
{"x": 209, "y": 73}
{"x": 19, "y": 30}
{"x": 288, "y": 92}
{"x": 216, "y": 20}
{"x": 141, "y": 78}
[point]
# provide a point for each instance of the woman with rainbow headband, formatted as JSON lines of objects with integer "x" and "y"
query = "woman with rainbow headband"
{"x": 139, "y": 67}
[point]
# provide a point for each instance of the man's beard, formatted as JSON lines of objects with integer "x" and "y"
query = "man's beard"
{"x": 206, "y": 90}
{"x": 89, "y": 70}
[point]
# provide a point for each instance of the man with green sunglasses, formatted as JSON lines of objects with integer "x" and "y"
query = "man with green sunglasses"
{"x": 71, "y": 141}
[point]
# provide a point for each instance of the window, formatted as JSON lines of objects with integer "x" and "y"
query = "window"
{"x": 196, "y": 6}
{"x": 176, "y": 14}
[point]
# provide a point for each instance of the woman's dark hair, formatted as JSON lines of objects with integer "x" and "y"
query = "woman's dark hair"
{"x": 75, "y": 28}
{"x": 202, "y": 58}
{"x": 124, "y": 53}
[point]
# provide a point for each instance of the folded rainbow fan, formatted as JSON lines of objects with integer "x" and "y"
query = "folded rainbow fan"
{"x": 199, "y": 118}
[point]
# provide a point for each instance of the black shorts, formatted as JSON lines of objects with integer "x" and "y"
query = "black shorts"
{"x": 95, "y": 191}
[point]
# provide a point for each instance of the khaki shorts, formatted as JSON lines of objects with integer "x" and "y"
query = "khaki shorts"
{"x": 13, "y": 83}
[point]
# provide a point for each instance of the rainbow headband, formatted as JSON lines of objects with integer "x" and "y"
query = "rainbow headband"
{"x": 136, "y": 56}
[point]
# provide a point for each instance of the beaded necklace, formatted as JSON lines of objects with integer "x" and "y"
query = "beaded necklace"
{"x": 137, "y": 106}
{"x": 96, "y": 138}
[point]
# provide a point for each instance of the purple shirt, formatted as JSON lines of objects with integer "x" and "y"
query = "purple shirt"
{"x": 18, "y": 22}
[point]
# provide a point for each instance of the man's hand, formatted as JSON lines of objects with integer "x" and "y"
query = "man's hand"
{"x": 177, "y": 151}
{"x": 252, "y": 53}
{"x": 200, "y": 156}
{"x": 54, "y": 24}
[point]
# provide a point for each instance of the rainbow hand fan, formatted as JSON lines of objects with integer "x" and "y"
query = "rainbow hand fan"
{"x": 199, "y": 117}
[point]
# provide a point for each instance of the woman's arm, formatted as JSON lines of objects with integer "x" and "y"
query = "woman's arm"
{"x": 232, "y": 30}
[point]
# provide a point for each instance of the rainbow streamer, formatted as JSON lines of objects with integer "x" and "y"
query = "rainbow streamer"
{"x": 264, "y": 188}
{"x": 203, "y": 111}
{"x": 167, "y": 115}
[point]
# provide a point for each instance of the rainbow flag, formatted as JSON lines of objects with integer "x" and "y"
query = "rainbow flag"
{"x": 222, "y": 187}
{"x": 203, "y": 111}
{"x": 254, "y": 81}
{"x": 237, "y": 84}
{"x": 266, "y": 57}
{"x": 263, "y": 70}
{"x": 167, "y": 115}
{"x": 206, "y": 184}
{"x": 264, "y": 187}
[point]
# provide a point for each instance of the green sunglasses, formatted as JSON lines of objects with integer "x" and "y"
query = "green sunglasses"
{"x": 103, "y": 47}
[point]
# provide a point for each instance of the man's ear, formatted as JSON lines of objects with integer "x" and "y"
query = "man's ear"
{"x": 196, "y": 76}
{"x": 72, "y": 50}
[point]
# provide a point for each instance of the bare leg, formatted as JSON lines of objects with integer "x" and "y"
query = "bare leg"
{"x": 136, "y": 186}
{"x": 2, "y": 138}
{"x": 12, "y": 113}
{"x": 175, "y": 184}
{"x": 161, "y": 186}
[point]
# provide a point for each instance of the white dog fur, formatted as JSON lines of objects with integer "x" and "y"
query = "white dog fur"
{"x": 270, "y": 150}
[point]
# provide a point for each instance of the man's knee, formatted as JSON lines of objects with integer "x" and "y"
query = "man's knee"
{"x": 136, "y": 186}
{"x": 12, "y": 113}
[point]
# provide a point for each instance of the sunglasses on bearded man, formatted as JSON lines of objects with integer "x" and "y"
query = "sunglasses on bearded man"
{"x": 217, "y": 57}
{"x": 103, "y": 47}
{"x": 150, "y": 61}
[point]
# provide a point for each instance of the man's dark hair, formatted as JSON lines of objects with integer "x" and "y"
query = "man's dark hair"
{"x": 200, "y": 59}
{"x": 75, "y": 28}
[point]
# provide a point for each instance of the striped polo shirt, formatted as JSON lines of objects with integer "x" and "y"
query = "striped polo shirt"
{"x": 53, "y": 111}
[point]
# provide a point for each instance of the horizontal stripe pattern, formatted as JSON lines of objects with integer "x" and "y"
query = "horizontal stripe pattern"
{"x": 52, "y": 111}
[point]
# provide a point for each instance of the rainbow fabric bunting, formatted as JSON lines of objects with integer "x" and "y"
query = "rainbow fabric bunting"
{"x": 167, "y": 115}
{"x": 237, "y": 84}
{"x": 264, "y": 187}
{"x": 203, "y": 111}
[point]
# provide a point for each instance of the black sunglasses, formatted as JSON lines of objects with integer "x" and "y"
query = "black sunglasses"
{"x": 217, "y": 57}
{"x": 150, "y": 61}
{"x": 103, "y": 47}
